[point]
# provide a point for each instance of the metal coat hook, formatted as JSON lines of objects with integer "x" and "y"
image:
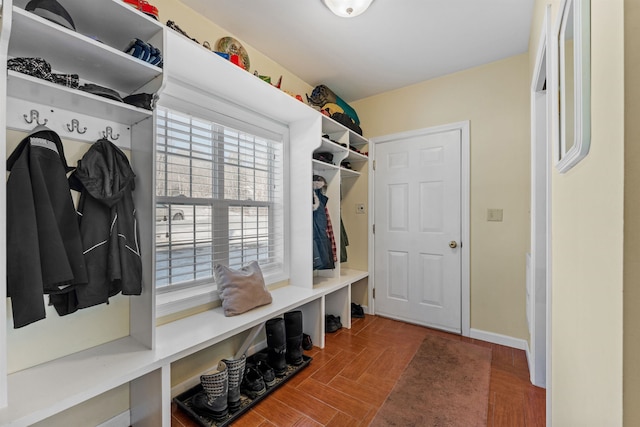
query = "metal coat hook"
{"x": 35, "y": 117}
{"x": 108, "y": 133}
{"x": 75, "y": 124}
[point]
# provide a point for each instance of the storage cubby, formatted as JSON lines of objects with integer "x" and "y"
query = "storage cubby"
{"x": 140, "y": 358}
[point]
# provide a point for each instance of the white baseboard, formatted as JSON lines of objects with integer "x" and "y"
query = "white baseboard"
{"x": 494, "y": 338}
{"x": 122, "y": 420}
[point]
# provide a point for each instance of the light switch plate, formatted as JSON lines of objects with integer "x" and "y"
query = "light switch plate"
{"x": 494, "y": 214}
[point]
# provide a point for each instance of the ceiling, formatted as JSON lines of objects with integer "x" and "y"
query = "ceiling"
{"x": 393, "y": 44}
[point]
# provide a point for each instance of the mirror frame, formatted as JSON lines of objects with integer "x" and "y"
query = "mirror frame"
{"x": 566, "y": 159}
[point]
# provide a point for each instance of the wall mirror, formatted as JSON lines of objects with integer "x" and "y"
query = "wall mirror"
{"x": 573, "y": 68}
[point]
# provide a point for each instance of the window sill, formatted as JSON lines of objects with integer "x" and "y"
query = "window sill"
{"x": 168, "y": 303}
{"x": 182, "y": 300}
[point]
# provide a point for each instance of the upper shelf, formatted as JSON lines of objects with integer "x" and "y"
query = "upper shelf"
{"x": 193, "y": 72}
{"x": 331, "y": 127}
{"x": 74, "y": 53}
{"x": 43, "y": 92}
{"x": 113, "y": 22}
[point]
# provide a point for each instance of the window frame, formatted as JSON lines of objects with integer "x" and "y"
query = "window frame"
{"x": 181, "y": 297}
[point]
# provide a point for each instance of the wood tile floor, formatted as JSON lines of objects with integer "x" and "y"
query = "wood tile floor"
{"x": 348, "y": 381}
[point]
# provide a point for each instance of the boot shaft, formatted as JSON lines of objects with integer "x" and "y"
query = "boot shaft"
{"x": 215, "y": 383}
{"x": 293, "y": 329}
{"x": 212, "y": 401}
{"x": 276, "y": 345}
{"x": 236, "y": 368}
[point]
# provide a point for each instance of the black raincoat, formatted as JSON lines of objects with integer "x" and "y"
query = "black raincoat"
{"x": 108, "y": 227}
{"x": 44, "y": 248}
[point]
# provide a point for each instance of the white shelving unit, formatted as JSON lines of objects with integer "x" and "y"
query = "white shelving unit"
{"x": 194, "y": 79}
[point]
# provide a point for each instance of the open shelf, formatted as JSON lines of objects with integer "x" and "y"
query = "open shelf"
{"x": 44, "y": 92}
{"x": 73, "y": 53}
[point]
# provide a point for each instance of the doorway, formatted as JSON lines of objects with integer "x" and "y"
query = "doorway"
{"x": 420, "y": 193}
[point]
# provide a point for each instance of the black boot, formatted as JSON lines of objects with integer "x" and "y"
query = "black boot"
{"x": 212, "y": 401}
{"x": 276, "y": 345}
{"x": 293, "y": 328}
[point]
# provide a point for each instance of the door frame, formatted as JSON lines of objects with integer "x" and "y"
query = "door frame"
{"x": 539, "y": 356}
{"x": 465, "y": 243}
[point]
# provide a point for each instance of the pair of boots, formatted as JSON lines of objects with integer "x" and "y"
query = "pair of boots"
{"x": 284, "y": 341}
{"x": 220, "y": 389}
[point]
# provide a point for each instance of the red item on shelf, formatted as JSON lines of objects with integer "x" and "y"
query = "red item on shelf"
{"x": 236, "y": 60}
{"x": 144, "y": 7}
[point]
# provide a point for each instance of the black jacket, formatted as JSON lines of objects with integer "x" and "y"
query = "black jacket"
{"x": 44, "y": 249}
{"x": 108, "y": 227}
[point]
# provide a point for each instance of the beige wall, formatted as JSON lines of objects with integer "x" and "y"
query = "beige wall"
{"x": 631, "y": 386}
{"x": 494, "y": 98}
{"x": 587, "y": 244}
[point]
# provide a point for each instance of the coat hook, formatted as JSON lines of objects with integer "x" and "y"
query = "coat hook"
{"x": 75, "y": 124}
{"x": 108, "y": 133}
{"x": 35, "y": 116}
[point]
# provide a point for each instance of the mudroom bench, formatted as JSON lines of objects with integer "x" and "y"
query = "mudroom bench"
{"x": 76, "y": 378}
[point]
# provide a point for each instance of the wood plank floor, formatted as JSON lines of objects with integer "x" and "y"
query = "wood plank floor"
{"x": 348, "y": 381}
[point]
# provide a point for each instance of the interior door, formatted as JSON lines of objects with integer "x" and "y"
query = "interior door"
{"x": 417, "y": 193}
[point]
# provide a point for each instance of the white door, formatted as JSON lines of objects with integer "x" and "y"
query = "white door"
{"x": 417, "y": 196}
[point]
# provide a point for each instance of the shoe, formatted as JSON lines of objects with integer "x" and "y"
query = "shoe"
{"x": 236, "y": 371}
{"x": 356, "y": 310}
{"x": 266, "y": 371}
{"x": 212, "y": 401}
{"x": 253, "y": 384}
{"x": 332, "y": 323}
{"x": 307, "y": 344}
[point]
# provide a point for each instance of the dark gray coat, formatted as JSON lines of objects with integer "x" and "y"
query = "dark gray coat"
{"x": 108, "y": 227}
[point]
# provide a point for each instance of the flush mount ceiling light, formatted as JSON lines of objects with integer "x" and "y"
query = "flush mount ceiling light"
{"x": 347, "y": 8}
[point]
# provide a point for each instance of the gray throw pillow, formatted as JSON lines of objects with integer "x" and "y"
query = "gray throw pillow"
{"x": 241, "y": 290}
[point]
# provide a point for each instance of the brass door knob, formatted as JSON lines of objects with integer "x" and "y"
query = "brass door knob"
{"x": 453, "y": 244}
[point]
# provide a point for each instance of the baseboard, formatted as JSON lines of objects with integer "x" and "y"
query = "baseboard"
{"x": 494, "y": 338}
{"x": 122, "y": 420}
{"x": 194, "y": 381}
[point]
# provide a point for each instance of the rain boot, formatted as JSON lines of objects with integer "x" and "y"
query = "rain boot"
{"x": 212, "y": 401}
{"x": 236, "y": 372}
{"x": 276, "y": 345}
{"x": 293, "y": 328}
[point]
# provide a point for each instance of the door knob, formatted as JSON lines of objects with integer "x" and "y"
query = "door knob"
{"x": 453, "y": 244}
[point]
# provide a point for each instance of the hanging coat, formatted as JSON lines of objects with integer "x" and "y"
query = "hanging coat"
{"x": 108, "y": 227}
{"x": 323, "y": 254}
{"x": 44, "y": 248}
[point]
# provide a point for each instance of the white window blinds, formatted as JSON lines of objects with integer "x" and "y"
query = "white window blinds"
{"x": 219, "y": 199}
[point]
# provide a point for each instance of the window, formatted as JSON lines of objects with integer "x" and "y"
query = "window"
{"x": 219, "y": 199}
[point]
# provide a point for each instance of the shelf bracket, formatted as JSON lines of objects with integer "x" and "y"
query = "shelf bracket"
{"x": 249, "y": 340}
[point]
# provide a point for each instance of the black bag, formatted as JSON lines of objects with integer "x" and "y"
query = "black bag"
{"x": 347, "y": 121}
{"x": 324, "y": 157}
{"x": 142, "y": 100}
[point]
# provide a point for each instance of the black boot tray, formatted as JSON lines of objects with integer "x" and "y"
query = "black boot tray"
{"x": 183, "y": 400}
